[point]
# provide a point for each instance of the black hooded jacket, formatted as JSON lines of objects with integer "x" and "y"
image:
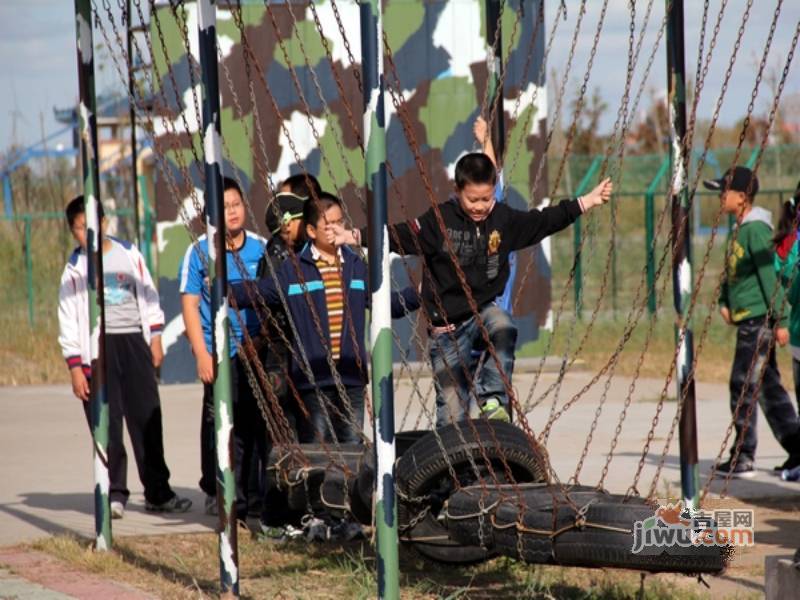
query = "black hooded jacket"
{"x": 481, "y": 250}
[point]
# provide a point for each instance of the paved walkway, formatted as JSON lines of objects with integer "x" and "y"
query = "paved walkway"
{"x": 47, "y": 469}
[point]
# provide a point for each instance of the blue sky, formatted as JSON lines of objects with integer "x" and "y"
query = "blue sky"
{"x": 38, "y": 62}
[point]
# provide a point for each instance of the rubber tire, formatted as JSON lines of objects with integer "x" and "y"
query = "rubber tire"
{"x": 593, "y": 547}
{"x": 601, "y": 548}
{"x": 538, "y": 513}
{"x": 423, "y": 470}
{"x": 474, "y": 531}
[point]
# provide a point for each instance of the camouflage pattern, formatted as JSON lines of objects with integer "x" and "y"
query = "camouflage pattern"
{"x": 380, "y": 288}
{"x": 91, "y": 192}
{"x": 440, "y": 52}
{"x": 218, "y": 276}
{"x": 682, "y": 262}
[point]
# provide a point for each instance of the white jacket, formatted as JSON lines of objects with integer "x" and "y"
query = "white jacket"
{"x": 73, "y": 306}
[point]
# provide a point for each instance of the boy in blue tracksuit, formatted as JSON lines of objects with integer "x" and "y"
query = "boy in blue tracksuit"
{"x": 326, "y": 288}
{"x": 244, "y": 252}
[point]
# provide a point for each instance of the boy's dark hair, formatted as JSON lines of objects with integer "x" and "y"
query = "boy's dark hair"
{"x": 302, "y": 184}
{"x": 314, "y": 209}
{"x": 475, "y": 167}
{"x": 788, "y": 222}
{"x": 230, "y": 184}
{"x": 76, "y": 207}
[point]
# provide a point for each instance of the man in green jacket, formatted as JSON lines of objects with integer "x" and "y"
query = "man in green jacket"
{"x": 752, "y": 300}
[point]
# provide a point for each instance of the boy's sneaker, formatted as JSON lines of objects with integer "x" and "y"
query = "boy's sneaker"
{"x": 117, "y": 510}
{"x": 273, "y": 533}
{"x": 492, "y": 409}
{"x": 281, "y": 533}
{"x": 744, "y": 469}
{"x": 346, "y": 531}
{"x": 176, "y": 504}
{"x": 315, "y": 529}
{"x": 210, "y": 506}
{"x": 789, "y": 464}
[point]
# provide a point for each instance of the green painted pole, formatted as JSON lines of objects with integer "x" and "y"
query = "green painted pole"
{"x": 29, "y": 269}
{"x": 147, "y": 236}
{"x": 217, "y": 274}
{"x": 94, "y": 258}
{"x": 577, "y": 234}
{"x": 379, "y": 285}
{"x": 649, "y": 227}
{"x": 682, "y": 257}
{"x": 753, "y": 157}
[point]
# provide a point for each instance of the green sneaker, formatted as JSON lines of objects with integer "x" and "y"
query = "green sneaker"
{"x": 495, "y": 411}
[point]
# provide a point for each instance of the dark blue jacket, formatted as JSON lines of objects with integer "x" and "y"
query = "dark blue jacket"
{"x": 303, "y": 287}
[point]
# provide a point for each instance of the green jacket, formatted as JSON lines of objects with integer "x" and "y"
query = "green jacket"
{"x": 751, "y": 281}
{"x": 786, "y": 268}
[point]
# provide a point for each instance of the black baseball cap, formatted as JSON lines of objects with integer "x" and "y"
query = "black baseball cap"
{"x": 738, "y": 179}
{"x": 284, "y": 208}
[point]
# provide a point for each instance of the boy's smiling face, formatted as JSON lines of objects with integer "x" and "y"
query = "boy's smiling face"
{"x": 477, "y": 200}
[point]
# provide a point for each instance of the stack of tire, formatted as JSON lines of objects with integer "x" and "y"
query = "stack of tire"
{"x": 468, "y": 493}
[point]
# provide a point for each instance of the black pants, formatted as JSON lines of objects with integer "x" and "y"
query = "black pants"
{"x": 754, "y": 342}
{"x": 132, "y": 392}
{"x": 249, "y": 436}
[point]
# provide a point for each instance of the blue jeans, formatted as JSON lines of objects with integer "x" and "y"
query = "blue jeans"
{"x": 454, "y": 364}
{"x": 346, "y": 427}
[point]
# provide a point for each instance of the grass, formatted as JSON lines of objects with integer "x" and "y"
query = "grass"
{"x": 186, "y": 566}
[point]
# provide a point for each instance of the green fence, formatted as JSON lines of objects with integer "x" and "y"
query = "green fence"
{"x": 628, "y": 261}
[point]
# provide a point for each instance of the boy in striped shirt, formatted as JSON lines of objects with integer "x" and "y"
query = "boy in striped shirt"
{"x": 326, "y": 298}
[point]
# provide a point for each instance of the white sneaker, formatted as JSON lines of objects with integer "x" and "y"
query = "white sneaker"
{"x": 117, "y": 510}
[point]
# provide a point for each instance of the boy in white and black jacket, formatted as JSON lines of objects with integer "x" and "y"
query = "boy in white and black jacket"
{"x": 134, "y": 321}
{"x": 481, "y": 233}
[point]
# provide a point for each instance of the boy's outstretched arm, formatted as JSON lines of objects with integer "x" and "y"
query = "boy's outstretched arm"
{"x": 531, "y": 227}
{"x": 599, "y": 195}
{"x": 480, "y": 129}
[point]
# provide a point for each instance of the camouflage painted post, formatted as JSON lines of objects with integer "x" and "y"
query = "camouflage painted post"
{"x": 94, "y": 260}
{"x": 379, "y": 285}
{"x": 218, "y": 276}
{"x": 494, "y": 29}
{"x": 682, "y": 258}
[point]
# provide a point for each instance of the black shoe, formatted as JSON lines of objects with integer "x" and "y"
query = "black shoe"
{"x": 790, "y": 463}
{"x": 176, "y": 504}
{"x": 744, "y": 469}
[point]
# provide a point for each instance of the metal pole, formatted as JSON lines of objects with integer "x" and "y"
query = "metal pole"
{"x": 132, "y": 118}
{"x": 379, "y": 285}
{"x": 682, "y": 259}
{"x": 217, "y": 274}
{"x": 29, "y": 268}
{"x": 577, "y": 234}
{"x": 94, "y": 259}
{"x": 649, "y": 225}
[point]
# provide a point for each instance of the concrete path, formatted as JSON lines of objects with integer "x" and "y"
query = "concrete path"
{"x": 46, "y": 471}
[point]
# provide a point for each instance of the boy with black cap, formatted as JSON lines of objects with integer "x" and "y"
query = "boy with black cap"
{"x": 749, "y": 299}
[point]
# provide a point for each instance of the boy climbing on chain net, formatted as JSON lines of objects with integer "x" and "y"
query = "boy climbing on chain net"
{"x": 474, "y": 240}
